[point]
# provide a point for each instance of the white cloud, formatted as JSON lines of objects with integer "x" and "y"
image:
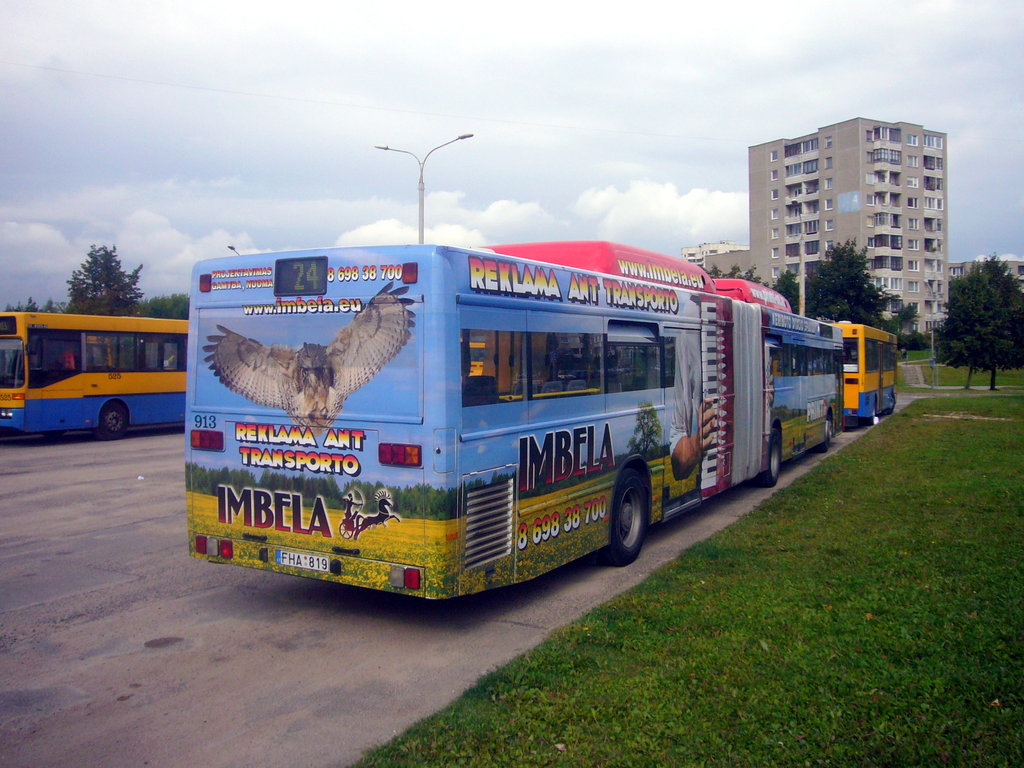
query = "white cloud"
{"x": 647, "y": 208}
{"x": 38, "y": 260}
{"x": 501, "y": 221}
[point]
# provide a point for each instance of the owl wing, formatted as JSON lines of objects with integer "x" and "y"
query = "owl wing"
{"x": 265, "y": 375}
{"x": 369, "y": 342}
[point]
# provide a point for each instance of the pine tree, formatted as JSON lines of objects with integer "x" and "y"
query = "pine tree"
{"x": 101, "y": 287}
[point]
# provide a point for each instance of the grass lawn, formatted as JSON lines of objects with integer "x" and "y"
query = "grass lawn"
{"x": 957, "y": 377}
{"x": 872, "y": 614}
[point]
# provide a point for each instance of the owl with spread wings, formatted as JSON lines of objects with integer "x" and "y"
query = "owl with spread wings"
{"x": 311, "y": 383}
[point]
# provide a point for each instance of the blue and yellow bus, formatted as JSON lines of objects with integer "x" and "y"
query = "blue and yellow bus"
{"x": 869, "y": 373}
{"x": 62, "y": 372}
{"x": 441, "y": 421}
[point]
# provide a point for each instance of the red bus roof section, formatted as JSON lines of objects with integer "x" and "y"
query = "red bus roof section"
{"x": 754, "y": 293}
{"x": 615, "y": 259}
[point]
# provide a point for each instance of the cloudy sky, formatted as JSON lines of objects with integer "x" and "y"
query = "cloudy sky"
{"x": 175, "y": 129}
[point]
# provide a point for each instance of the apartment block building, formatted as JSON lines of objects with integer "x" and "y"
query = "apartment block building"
{"x": 698, "y": 254}
{"x": 882, "y": 185}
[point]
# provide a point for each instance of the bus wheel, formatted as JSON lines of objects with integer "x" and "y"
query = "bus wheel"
{"x": 770, "y": 476}
{"x": 827, "y": 439}
{"x": 113, "y": 422}
{"x": 630, "y": 516}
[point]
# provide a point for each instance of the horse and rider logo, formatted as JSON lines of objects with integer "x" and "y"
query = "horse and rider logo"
{"x": 355, "y": 521}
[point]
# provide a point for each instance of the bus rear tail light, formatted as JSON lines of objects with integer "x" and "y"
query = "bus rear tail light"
{"x": 404, "y": 578}
{"x": 207, "y": 440}
{"x": 410, "y": 272}
{"x": 211, "y": 547}
{"x": 400, "y": 454}
{"x": 205, "y": 283}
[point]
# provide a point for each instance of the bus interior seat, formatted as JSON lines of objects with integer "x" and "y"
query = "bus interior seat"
{"x": 480, "y": 390}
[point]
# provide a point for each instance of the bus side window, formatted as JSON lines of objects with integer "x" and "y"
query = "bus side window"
{"x": 565, "y": 364}
{"x": 491, "y": 367}
{"x": 170, "y": 356}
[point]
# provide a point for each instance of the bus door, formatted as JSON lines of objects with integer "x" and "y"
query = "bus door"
{"x": 873, "y": 375}
{"x": 54, "y": 400}
{"x": 781, "y": 391}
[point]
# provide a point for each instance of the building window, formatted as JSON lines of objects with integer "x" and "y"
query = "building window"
{"x": 828, "y": 204}
{"x": 775, "y": 233}
{"x": 913, "y": 265}
{"x": 775, "y": 194}
{"x": 912, "y": 182}
{"x": 912, "y": 139}
{"x": 912, "y": 202}
{"x": 913, "y": 223}
{"x": 828, "y": 163}
{"x": 870, "y": 179}
{"x": 935, "y": 142}
{"x": 828, "y": 142}
{"x": 775, "y": 251}
{"x": 913, "y": 286}
{"x": 775, "y": 214}
{"x": 913, "y": 244}
{"x": 828, "y": 183}
{"x": 773, "y": 155}
{"x": 775, "y": 174}
{"x": 869, "y": 199}
{"x": 829, "y": 225}
{"x": 933, "y": 203}
{"x": 913, "y": 161}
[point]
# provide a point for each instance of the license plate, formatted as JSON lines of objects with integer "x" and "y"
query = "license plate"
{"x": 303, "y": 560}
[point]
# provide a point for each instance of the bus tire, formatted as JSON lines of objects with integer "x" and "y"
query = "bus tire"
{"x": 112, "y": 423}
{"x": 826, "y": 441}
{"x": 770, "y": 476}
{"x": 630, "y": 518}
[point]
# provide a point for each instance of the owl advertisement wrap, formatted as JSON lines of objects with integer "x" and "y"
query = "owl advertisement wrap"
{"x": 306, "y": 389}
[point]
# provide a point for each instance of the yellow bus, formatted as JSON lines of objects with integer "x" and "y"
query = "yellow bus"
{"x": 60, "y": 372}
{"x": 869, "y": 373}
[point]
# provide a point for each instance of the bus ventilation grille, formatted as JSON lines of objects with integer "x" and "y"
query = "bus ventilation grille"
{"x": 488, "y": 523}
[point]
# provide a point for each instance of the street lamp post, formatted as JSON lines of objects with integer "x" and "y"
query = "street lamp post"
{"x": 421, "y": 164}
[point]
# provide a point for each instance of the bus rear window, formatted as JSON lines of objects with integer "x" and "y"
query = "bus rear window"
{"x": 851, "y": 364}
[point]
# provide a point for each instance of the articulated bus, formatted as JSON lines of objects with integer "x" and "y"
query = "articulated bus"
{"x": 440, "y": 421}
{"x": 61, "y": 372}
{"x": 869, "y": 373}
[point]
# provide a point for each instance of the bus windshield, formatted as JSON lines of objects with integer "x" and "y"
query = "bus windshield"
{"x": 12, "y": 364}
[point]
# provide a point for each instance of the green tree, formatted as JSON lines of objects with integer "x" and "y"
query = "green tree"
{"x": 842, "y": 288}
{"x": 174, "y": 306}
{"x": 735, "y": 273}
{"x": 900, "y": 324}
{"x": 984, "y": 325}
{"x": 102, "y": 287}
{"x": 31, "y": 306}
{"x": 789, "y": 286}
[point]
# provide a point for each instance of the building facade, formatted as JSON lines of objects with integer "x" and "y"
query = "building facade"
{"x": 882, "y": 185}
{"x": 698, "y": 254}
{"x": 1014, "y": 263}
